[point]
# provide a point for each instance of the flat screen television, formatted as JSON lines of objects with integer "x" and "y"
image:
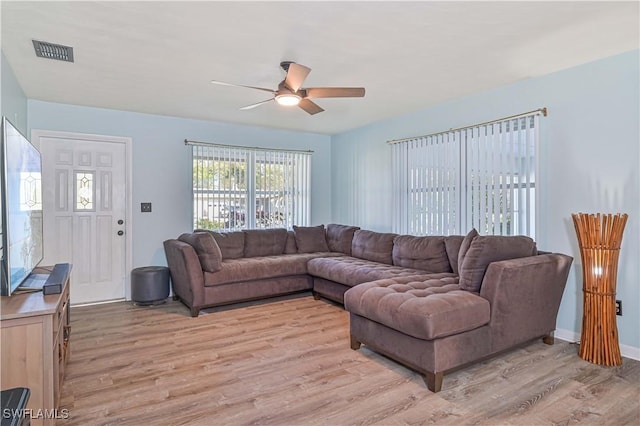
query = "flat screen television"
{"x": 21, "y": 208}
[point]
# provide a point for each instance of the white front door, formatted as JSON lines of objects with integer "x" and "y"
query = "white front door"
{"x": 84, "y": 187}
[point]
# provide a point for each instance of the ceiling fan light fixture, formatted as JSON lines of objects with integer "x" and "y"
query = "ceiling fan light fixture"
{"x": 288, "y": 99}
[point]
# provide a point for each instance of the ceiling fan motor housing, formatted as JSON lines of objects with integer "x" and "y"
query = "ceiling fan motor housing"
{"x": 285, "y": 65}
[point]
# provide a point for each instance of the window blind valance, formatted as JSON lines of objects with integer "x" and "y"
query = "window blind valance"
{"x": 542, "y": 111}
{"x": 255, "y": 148}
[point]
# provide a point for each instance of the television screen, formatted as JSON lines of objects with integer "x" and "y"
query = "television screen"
{"x": 21, "y": 208}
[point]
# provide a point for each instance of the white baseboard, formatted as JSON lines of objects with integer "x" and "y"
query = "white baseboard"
{"x": 102, "y": 303}
{"x": 571, "y": 336}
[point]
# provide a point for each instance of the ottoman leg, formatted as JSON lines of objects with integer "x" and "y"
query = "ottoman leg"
{"x": 316, "y": 295}
{"x": 194, "y": 312}
{"x": 548, "y": 339}
{"x": 355, "y": 344}
{"x": 433, "y": 381}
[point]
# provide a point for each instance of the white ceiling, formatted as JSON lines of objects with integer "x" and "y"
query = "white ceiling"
{"x": 159, "y": 57}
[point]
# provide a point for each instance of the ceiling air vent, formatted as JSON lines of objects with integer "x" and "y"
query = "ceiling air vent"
{"x": 53, "y": 51}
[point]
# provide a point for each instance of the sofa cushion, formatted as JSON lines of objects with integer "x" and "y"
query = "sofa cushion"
{"x": 206, "y": 248}
{"x": 231, "y": 243}
{"x": 374, "y": 246}
{"x": 452, "y": 243}
{"x": 486, "y": 249}
{"x": 464, "y": 246}
{"x": 290, "y": 247}
{"x": 426, "y": 307}
{"x": 310, "y": 239}
{"x": 425, "y": 253}
{"x": 260, "y": 268}
{"x": 352, "y": 271}
{"x": 264, "y": 242}
{"x": 340, "y": 237}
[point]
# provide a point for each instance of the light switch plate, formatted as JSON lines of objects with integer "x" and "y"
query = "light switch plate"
{"x": 145, "y": 207}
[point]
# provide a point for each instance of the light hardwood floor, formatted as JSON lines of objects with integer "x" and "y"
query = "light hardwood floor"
{"x": 288, "y": 362}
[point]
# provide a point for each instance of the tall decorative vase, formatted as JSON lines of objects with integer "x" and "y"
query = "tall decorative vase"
{"x": 599, "y": 237}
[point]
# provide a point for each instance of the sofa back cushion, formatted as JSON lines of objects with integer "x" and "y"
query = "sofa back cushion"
{"x": 206, "y": 248}
{"x": 374, "y": 246}
{"x": 425, "y": 253}
{"x": 452, "y": 243}
{"x": 290, "y": 247}
{"x": 310, "y": 239}
{"x": 231, "y": 243}
{"x": 264, "y": 242}
{"x": 340, "y": 237}
{"x": 485, "y": 249}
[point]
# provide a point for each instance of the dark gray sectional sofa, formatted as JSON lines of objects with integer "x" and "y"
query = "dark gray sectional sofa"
{"x": 433, "y": 303}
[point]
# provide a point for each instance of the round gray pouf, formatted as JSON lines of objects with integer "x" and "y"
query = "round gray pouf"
{"x": 150, "y": 285}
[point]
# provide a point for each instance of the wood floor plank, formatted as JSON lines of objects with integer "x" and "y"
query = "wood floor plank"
{"x": 288, "y": 361}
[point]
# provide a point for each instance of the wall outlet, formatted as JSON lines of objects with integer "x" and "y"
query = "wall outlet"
{"x": 619, "y": 307}
{"x": 145, "y": 207}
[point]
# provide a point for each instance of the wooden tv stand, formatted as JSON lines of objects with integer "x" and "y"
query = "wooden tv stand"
{"x": 35, "y": 335}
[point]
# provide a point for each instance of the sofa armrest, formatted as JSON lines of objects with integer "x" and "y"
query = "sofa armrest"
{"x": 525, "y": 297}
{"x": 186, "y": 272}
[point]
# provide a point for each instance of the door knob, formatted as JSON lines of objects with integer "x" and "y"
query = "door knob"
{"x": 120, "y": 232}
{"x": 120, "y": 222}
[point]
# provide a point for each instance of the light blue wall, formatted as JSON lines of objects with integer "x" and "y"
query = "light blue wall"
{"x": 162, "y": 168}
{"x": 13, "y": 102}
{"x": 589, "y": 162}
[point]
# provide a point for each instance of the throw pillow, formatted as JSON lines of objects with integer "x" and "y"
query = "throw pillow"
{"x": 487, "y": 249}
{"x": 206, "y": 248}
{"x": 340, "y": 237}
{"x": 452, "y": 244}
{"x": 464, "y": 247}
{"x": 310, "y": 239}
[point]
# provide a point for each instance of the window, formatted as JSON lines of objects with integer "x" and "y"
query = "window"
{"x": 482, "y": 177}
{"x": 247, "y": 188}
{"x": 84, "y": 191}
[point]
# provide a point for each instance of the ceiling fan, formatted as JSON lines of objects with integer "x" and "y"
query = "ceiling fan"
{"x": 290, "y": 91}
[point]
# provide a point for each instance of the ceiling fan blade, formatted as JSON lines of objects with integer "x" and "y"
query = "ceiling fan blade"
{"x": 335, "y": 92}
{"x": 310, "y": 106}
{"x": 222, "y": 83}
{"x": 296, "y": 75}
{"x": 252, "y": 106}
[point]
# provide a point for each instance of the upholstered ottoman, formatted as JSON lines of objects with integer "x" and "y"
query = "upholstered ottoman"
{"x": 426, "y": 322}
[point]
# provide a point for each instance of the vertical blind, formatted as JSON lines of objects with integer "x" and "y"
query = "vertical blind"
{"x": 482, "y": 176}
{"x": 247, "y": 188}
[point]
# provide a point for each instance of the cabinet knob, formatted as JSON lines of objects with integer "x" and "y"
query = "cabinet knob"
{"x": 120, "y": 232}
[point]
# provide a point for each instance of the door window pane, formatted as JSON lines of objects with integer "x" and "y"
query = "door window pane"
{"x": 84, "y": 191}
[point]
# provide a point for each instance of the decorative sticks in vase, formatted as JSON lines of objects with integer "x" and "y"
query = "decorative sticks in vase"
{"x": 599, "y": 238}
